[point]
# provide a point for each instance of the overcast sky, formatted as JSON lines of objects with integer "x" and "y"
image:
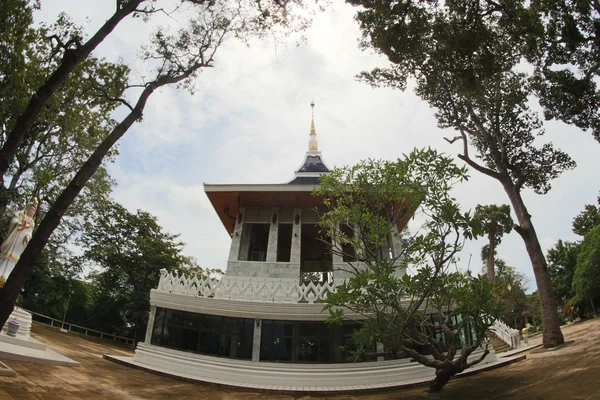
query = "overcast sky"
{"x": 249, "y": 121}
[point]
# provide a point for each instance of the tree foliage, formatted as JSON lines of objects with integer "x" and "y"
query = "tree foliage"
{"x": 586, "y": 220}
{"x": 496, "y": 222}
{"x": 565, "y": 259}
{"x": 560, "y": 38}
{"x": 586, "y": 280}
{"x": 510, "y": 287}
{"x": 465, "y": 62}
{"x": 426, "y": 316}
{"x": 74, "y": 120}
{"x": 127, "y": 250}
{"x": 562, "y": 262}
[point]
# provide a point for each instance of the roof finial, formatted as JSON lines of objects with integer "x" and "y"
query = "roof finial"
{"x": 312, "y": 143}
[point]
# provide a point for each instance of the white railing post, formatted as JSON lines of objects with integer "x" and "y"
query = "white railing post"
{"x": 508, "y": 335}
{"x": 161, "y": 281}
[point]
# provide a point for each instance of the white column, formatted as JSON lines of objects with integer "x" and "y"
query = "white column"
{"x": 296, "y": 235}
{"x": 335, "y": 256}
{"x": 273, "y": 232}
{"x": 236, "y": 237}
{"x": 396, "y": 242}
{"x": 256, "y": 340}
{"x": 380, "y": 350}
{"x": 150, "y": 325}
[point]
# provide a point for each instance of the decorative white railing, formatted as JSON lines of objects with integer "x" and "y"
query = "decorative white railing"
{"x": 244, "y": 288}
{"x": 508, "y": 335}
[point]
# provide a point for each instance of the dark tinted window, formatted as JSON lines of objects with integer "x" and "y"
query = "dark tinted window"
{"x": 207, "y": 334}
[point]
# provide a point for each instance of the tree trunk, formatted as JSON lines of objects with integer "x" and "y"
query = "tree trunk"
{"x": 442, "y": 376}
{"x": 491, "y": 275}
{"x": 16, "y": 279}
{"x": 552, "y": 333}
{"x": 593, "y": 308}
{"x": 30, "y": 256}
{"x": 71, "y": 58}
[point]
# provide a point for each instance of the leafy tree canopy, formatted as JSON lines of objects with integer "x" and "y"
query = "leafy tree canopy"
{"x": 586, "y": 220}
{"x": 562, "y": 261}
{"x": 496, "y": 221}
{"x": 464, "y": 62}
{"x": 75, "y": 119}
{"x": 586, "y": 280}
{"x": 560, "y": 38}
{"x": 127, "y": 250}
{"x": 510, "y": 287}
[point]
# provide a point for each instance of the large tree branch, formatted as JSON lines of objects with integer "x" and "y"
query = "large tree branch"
{"x": 478, "y": 167}
{"x": 30, "y": 256}
{"x": 71, "y": 59}
{"x": 462, "y": 129}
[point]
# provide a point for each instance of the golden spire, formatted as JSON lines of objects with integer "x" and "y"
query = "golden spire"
{"x": 312, "y": 143}
{"x": 312, "y": 123}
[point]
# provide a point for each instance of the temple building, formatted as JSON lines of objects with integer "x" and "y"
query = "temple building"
{"x": 262, "y": 325}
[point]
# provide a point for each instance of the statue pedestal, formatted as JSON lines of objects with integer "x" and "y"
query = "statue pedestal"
{"x": 24, "y": 320}
{"x": 22, "y": 338}
{"x": 22, "y": 347}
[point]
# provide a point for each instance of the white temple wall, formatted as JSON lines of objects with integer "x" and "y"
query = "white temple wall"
{"x": 260, "y": 269}
{"x": 285, "y": 270}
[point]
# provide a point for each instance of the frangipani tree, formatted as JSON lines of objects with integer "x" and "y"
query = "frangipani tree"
{"x": 432, "y": 314}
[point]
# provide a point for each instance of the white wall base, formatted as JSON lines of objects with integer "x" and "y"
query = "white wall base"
{"x": 283, "y": 376}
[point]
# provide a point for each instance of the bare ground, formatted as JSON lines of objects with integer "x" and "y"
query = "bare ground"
{"x": 570, "y": 372}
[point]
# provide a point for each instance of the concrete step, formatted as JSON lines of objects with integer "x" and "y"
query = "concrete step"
{"x": 498, "y": 344}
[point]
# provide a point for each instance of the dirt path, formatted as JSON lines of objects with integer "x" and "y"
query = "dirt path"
{"x": 571, "y": 372}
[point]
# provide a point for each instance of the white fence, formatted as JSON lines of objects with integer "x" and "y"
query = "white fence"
{"x": 245, "y": 288}
{"x": 508, "y": 335}
{"x": 80, "y": 329}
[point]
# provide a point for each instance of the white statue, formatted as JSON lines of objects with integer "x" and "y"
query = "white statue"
{"x": 19, "y": 234}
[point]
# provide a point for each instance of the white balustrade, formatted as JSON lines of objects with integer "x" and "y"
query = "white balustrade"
{"x": 244, "y": 288}
{"x": 508, "y": 335}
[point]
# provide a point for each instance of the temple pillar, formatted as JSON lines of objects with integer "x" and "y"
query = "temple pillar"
{"x": 150, "y": 325}
{"x": 380, "y": 350}
{"x": 396, "y": 242}
{"x": 296, "y": 236}
{"x": 236, "y": 237}
{"x": 256, "y": 340}
{"x": 336, "y": 257}
{"x": 273, "y": 232}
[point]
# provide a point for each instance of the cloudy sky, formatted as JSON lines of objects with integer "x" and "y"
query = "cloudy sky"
{"x": 249, "y": 119}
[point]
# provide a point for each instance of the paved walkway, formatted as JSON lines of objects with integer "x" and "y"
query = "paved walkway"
{"x": 571, "y": 372}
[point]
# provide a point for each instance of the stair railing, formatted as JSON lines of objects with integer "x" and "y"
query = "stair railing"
{"x": 507, "y": 334}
